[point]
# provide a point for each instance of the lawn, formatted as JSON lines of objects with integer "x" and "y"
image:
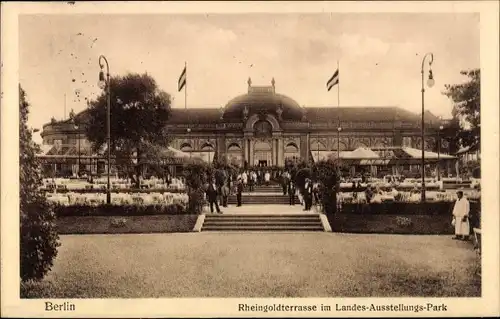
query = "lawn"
{"x": 260, "y": 265}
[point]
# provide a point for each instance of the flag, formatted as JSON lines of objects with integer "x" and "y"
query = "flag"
{"x": 182, "y": 79}
{"x": 334, "y": 80}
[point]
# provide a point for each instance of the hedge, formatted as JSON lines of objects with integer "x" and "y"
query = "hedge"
{"x": 405, "y": 208}
{"x": 119, "y": 210}
{"x": 392, "y": 224}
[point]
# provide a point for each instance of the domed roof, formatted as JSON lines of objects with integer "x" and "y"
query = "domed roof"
{"x": 263, "y": 99}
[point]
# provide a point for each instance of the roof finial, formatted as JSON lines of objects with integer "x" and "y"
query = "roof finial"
{"x": 273, "y": 82}
{"x": 249, "y": 82}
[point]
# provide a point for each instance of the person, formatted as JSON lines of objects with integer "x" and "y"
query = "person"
{"x": 239, "y": 191}
{"x": 285, "y": 181}
{"x": 291, "y": 192}
{"x": 267, "y": 177}
{"x": 250, "y": 181}
{"x": 212, "y": 196}
{"x": 461, "y": 217}
{"x": 308, "y": 194}
{"x": 254, "y": 178}
{"x": 315, "y": 190}
{"x": 225, "y": 194}
{"x": 244, "y": 177}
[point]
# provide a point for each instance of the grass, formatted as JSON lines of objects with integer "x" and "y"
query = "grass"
{"x": 132, "y": 224}
{"x": 259, "y": 265}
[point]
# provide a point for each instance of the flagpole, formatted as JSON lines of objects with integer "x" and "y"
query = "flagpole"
{"x": 185, "y": 87}
{"x": 338, "y": 113}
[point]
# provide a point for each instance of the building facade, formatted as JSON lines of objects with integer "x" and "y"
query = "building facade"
{"x": 266, "y": 128}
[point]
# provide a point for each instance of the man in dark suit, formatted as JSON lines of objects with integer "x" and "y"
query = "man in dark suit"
{"x": 212, "y": 197}
{"x": 239, "y": 191}
{"x": 291, "y": 192}
{"x": 308, "y": 194}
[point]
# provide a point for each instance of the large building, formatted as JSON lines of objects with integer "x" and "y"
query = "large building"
{"x": 265, "y": 128}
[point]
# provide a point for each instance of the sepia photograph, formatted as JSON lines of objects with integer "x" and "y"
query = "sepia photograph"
{"x": 280, "y": 154}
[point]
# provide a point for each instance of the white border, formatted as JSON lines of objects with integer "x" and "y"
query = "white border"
{"x": 13, "y": 306}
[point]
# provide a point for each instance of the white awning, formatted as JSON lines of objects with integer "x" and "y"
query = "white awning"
{"x": 416, "y": 153}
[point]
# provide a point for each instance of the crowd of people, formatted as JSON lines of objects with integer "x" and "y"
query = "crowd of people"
{"x": 218, "y": 192}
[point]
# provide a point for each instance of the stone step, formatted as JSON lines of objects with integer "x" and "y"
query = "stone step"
{"x": 263, "y": 228}
{"x": 264, "y": 222}
{"x": 261, "y": 223}
{"x": 259, "y": 216}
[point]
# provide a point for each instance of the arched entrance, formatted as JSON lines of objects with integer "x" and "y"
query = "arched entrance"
{"x": 262, "y": 148}
{"x": 263, "y": 153}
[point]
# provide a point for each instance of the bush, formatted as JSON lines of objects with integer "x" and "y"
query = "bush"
{"x": 118, "y": 210}
{"x": 38, "y": 235}
{"x": 405, "y": 208}
{"x": 326, "y": 172}
{"x": 196, "y": 201}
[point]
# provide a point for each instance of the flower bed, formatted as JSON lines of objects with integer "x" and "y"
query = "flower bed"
{"x": 119, "y": 210}
{"x": 96, "y": 189}
{"x": 400, "y": 218}
{"x": 405, "y": 208}
{"x": 72, "y": 225}
{"x": 94, "y": 199}
{"x": 392, "y": 224}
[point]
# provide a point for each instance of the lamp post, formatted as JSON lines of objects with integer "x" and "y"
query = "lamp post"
{"x": 104, "y": 83}
{"x": 339, "y": 129}
{"x": 439, "y": 151}
{"x": 189, "y": 137}
{"x": 430, "y": 83}
{"x": 78, "y": 139}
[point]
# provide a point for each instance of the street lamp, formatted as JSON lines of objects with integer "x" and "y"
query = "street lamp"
{"x": 439, "y": 151}
{"x": 430, "y": 83}
{"x": 104, "y": 83}
{"x": 339, "y": 129}
{"x": 189, "y": 136}
{"x": 78, "y": 138}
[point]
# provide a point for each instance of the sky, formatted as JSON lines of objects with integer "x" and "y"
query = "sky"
{"x": 379, "y": 55}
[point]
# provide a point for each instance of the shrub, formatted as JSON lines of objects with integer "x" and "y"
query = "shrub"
{"x": 406, "y": 208}
{"x": 38, "y": 236}
{"x": 118, "y": 210}
{"x": 196, "y": 201}
{"x": 326, "y": 172}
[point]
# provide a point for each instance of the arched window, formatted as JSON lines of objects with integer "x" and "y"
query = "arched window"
{"x": 186, "y": 147}
{"x": 207, "y": 147}
{"x": 291, "y": 152}
{"x": 263, "y": 129}
{"x": 234, "y": 155}
{"x": 317, "y": 146}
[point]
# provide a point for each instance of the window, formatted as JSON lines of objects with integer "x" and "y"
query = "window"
{"x": 263, "y": 129}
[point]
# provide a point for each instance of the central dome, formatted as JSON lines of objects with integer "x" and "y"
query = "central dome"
{"x": 261, "y": 99}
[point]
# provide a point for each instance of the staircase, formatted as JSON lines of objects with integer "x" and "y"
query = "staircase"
{"x": 255, "y": 199}
{"x": 289, "y": 218}
{"x": 262, "y": 222}
{"x": 266, "y": 195}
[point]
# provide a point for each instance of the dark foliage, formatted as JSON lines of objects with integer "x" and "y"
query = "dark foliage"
{"x": 139, "y": 113}
{"x": 38, "y": 236}
{"x": 118, "y": 210}
{"x": 405, "y": 208}
{"x": 327, "y": 174}
{"x": 466, "y": 98}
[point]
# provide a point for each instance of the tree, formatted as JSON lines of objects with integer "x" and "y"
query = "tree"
{"x": 139, "y": 113}
{"x": 326, "y": 172}
{"x": 466, "y": 98}
{"x": 38, "y": 236}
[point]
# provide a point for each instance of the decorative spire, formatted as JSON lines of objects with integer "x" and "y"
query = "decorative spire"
{"x": 273, "y": 82}
{"x": 249, "y": 82}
